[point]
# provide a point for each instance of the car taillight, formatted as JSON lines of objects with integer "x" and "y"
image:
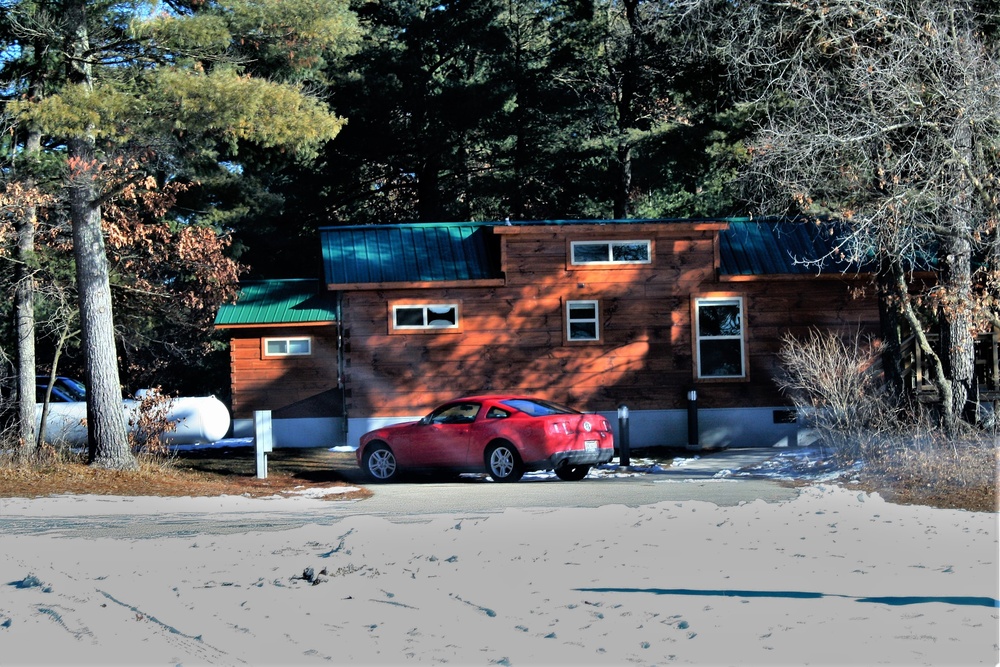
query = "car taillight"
{"x": 560, "y": 428}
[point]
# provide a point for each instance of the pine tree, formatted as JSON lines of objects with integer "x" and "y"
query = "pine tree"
{"x": 144, "y": 89}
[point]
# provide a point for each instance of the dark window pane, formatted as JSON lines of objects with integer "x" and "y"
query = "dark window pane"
{"x": 582, "y": 311}
{"x": 721, "y": 357}
{"x": 583, "y": 331}
{"x": 719, "y": 320}
{"x": 630, "y": 252}
{"x": 409, "y": 317}
{"x": 590, "y": 252}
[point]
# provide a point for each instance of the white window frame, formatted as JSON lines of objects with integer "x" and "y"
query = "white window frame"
{"x": 610, "y": 261}
{"x": 427, "y": 309}
{"x": 288, "y": 343}
{"x": 596, "y": 320}
{"x": 697, "y": 304}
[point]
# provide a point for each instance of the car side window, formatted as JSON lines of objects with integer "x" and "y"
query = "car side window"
{"x": 460, "y": 413}
{"x": 497, "y": 413}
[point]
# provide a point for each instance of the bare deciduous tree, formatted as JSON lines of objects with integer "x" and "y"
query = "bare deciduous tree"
{"x": 884, "y": 114}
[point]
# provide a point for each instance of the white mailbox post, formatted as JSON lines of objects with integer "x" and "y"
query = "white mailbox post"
{"x": 263, "y": 440}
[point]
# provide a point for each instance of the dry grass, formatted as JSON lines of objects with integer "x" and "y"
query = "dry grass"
{"x": 836, "y": 386}
{"x": 962, "y": 476}
{"x": 220, "y": 472}
{"x": 957, "y": 477}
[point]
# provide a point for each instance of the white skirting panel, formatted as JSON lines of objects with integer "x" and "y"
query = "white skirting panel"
{"x": 717, "y": 428}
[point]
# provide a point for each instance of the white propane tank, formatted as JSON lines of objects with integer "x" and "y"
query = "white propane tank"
{"x": 199, "y": 419}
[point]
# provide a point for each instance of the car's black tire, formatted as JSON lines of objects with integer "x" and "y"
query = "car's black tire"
{"x": 569, "y": 473}
{"x": 380, "y": 463}
{"x": 503, "y": 463}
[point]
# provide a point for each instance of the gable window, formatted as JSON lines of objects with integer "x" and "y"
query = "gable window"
{"x": 719, "y": 337}
{"x": 582, "y": 321}
{"x": 610, "y": 252}
{"x": 425, "y": 316}
{"x": 287, "y": 347}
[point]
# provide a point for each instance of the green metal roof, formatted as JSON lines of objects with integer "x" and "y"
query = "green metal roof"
{"x": 410, "y": 253}
{"x": 279, "y": 302}
{"x": 434, "y": 252}
{"x": 781, "y": 247}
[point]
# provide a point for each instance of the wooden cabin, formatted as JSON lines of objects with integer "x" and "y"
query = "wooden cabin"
{"x": 594, "y": 314}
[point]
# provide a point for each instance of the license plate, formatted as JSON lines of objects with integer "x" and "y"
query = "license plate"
{"x": 590, "y": 445}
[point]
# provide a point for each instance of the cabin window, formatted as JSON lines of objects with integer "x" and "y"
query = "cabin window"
{"x": 610, "y": 252}
{"x": 287, "y": 347}
{"x": 582, "y": 320}
{"x": 425, "y": 316}
{"x": 719, "y": 337}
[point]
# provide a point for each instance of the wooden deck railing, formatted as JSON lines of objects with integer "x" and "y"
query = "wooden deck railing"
{"x": 987, "y": 346}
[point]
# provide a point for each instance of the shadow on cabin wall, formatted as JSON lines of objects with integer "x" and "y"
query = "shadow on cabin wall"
{"x": 316, "y": 421}
{"x": 328, "y": 403}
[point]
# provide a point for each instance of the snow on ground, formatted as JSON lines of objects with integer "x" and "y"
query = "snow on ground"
{"x": 832, "y": 577}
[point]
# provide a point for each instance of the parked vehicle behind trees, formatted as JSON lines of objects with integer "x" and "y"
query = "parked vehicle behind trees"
{"x": 187, "y": 420}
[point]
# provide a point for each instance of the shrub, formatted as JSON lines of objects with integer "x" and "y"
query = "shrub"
{"x": 148, "y": 423}
{"x": 837, "y": 389}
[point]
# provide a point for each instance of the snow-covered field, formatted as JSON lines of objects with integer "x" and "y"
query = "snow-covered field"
{"x": 833, "y": 577}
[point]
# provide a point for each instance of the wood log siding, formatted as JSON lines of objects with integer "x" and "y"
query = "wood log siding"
{"x": 513, "y": 337}
{"x": 272, "y": 383}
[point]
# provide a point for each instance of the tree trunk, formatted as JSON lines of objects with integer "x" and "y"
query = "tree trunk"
{"x": 24, "y": 309}
{"x": 109, "y": 446}
{"x": 889, "y": 327}
{"x": 520, "y": 157}
{"x": 428, "y": 187}
{"x": 957, "y": 339}
{"x": 108, "y": 443}
{"x": 955, "y": 260}
{"x": 626, "y": 112}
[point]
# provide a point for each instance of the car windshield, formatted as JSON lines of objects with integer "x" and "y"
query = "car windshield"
{"x": 538, "y": 408}
{"x": 64, "y": 390}
{"x": 72, "y": 388}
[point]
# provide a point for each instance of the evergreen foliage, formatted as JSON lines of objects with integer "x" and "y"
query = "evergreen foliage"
{"x": 137, "y": 101}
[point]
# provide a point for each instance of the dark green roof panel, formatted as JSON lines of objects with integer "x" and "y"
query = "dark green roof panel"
{"x": 279, "y": 302}
{"x": 781, "y": 247}
{"x": 410, "y": 253}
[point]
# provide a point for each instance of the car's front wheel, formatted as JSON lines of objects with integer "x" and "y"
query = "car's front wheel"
{"x": 380, "y": 462}
{"x": 503, "y": 463}
{"x": 572, "y": 473}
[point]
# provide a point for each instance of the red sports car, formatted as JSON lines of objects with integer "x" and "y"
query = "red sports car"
{"x": 501, "y": 434}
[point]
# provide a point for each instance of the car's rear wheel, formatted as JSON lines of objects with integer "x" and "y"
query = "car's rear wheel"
{"x": 503, "y": 463}
{"x": 380, "y": 462}
{"x": 572, "y": 473}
